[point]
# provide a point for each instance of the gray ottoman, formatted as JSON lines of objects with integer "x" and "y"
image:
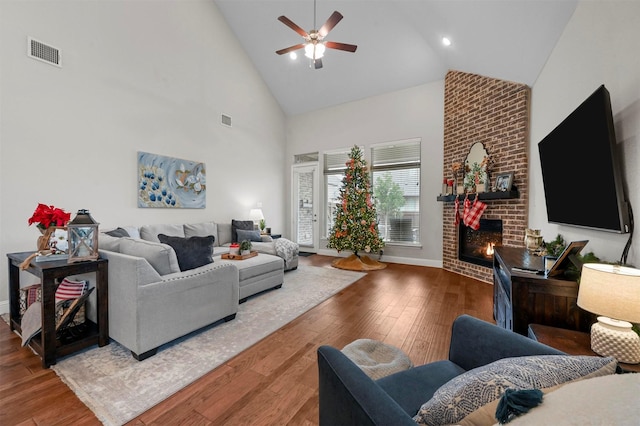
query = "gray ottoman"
{"x": 377, "y": 359}
{"x": 259, "y": 273}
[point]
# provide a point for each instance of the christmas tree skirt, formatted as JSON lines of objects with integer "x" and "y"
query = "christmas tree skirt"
{"x": 355, "y": 263}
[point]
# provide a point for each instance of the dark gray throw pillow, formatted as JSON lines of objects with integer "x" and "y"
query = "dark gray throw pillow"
{"x": 253, "y": 236}
{"x": 118, "y": 233}
{"x": 246, "y": 225}
{"x": 191, "y": 252}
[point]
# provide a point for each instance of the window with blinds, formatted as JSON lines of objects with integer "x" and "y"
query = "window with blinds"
{"x": 396, "y": 188}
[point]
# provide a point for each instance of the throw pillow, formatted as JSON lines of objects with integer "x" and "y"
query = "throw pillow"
{"x": 253, "y": 236}
{"x": 472, "y": 397}
{"x": 247, "y": 225}
{"x": 160, "y": 256}
{"x": 607, "y": 400}
{"x": 191, "y": 252}
{"x": 118, "y": 232}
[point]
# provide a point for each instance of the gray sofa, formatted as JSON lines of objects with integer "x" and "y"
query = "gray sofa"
{"x": 152, "y": 302}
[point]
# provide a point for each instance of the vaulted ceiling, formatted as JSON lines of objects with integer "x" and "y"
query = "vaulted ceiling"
{"x": 399, "y": 44}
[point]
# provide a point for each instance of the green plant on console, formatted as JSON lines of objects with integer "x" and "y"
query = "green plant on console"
{"x": 245, "y": 246}
{"x": 262, "y": 225}
{"x": 555, "y": 247}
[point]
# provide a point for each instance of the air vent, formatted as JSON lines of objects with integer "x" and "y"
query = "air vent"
{"x": 43, "y": 52}
{"x": 225, "y": 120}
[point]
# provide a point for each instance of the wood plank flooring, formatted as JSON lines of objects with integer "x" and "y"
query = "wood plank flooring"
{"x": 275, "y": 381}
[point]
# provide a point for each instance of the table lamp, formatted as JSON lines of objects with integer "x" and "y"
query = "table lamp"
{"x": 613, "y": 292}
{"x": 256, "y": 216}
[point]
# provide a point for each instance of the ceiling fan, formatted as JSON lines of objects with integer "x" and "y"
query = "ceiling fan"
{"x": 314, "y": 44}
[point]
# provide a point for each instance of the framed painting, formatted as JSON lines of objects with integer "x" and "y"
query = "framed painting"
{"x": 167, "y": 182}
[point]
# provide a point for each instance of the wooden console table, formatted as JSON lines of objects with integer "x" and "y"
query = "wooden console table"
{"x": 51, "y": 273}
{"x": 569, "y": 341}
{"x": 522, "y": 297}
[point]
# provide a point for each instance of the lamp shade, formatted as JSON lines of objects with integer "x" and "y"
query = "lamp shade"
{"x": 610, "y": 290}
{"x": 256, "y": 215}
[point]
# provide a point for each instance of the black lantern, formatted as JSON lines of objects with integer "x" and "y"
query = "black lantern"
{"x": 83, "y": 237}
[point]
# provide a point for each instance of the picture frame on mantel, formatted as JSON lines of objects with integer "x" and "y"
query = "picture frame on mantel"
{"x": 504, "y": 181}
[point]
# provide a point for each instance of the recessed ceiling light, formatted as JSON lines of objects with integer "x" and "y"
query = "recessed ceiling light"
{"x": 293, "y": 55}
{"x": 446, "y": 41}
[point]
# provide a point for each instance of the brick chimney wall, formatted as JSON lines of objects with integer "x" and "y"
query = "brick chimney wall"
{"x": 496, "y": 113}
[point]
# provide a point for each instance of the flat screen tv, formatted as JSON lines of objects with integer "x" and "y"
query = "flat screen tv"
{"x": 581, "y": 171}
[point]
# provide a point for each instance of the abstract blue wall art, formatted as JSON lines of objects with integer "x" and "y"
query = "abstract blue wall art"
{"x": 171, "y": 182}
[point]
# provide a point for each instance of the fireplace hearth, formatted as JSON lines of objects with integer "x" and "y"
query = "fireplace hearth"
{"x": 476, "y": 246}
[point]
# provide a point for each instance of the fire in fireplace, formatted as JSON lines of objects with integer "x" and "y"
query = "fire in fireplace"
{"x": 476, "y": 246}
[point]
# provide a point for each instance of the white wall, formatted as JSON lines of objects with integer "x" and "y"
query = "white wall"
{"x": 417, "y": 112}
{"x": 599, "y": 46}
{"x": 150, "y": 76}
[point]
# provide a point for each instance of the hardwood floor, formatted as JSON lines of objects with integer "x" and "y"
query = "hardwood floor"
{"x": 275, "y": 381}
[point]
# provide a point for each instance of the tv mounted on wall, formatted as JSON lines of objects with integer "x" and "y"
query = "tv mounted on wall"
{"x": 581, "y": 170}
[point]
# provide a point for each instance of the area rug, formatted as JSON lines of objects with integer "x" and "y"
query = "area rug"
{"x": 118, "y": 388}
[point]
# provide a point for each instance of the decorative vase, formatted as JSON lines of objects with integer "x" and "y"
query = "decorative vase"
{"x": 245, "y": 252}
{"x": 479, "y": 187}
{"x": 460, "y": 189}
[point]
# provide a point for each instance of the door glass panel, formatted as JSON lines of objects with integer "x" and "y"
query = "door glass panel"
{"x": 305, "y": 213}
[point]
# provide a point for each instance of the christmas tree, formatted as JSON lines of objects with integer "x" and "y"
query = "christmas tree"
{"x": 355, "y": 226}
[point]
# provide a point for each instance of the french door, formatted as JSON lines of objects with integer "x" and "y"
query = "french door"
{"x": 304, "y": 203}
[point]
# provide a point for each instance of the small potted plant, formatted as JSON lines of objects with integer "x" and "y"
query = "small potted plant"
{"x": 262, "y": 225}
{"x": 245, "y": 247}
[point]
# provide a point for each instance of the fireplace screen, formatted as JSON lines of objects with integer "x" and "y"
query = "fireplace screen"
{"x": 476, "y": 246}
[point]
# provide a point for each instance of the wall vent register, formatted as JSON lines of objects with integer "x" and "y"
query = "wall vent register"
{"x": 43, "y": 52}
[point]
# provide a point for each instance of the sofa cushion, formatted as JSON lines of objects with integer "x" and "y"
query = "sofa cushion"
{"x": 411, "y": 387}
{"x": 253, "y": 236}
{"x": 118, "y": 232}
{"x": 224, "y": 234}
{"x": 192, "y": 252}
{"x": 160, "y": 256}
{"x": 107, "y": 242}
{"x": 202, "y": 230}
{"x": 472, "y": 397}
{"x": 247, "y": 225}
{"x": 150, "y": 232}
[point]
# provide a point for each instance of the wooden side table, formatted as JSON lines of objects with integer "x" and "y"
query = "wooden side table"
{"x": 51, "y": 274}
{"x": 569, "y": 341}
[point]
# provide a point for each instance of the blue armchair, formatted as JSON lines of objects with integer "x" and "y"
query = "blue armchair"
{"x": 350, "y": 397}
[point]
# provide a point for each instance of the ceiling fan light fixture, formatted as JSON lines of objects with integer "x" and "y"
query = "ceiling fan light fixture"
{"x": 314, "y": 50}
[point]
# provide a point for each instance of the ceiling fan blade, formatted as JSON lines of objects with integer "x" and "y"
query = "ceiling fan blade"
{"x": 317, "y": 63}
{"x": 331, "y": 22}
{"x": 289, "y": 23}
{"x": 340, "y": 46}
{"x": 289, "y": 49}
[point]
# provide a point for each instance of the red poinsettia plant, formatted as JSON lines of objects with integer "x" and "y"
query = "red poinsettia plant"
{"x": 46, "y": 216}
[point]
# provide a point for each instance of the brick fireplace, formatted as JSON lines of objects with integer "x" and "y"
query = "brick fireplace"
{"x": 496, "y": 113}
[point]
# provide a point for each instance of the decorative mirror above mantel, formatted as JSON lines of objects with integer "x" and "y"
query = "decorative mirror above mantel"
{"x": 475, "y": 169}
